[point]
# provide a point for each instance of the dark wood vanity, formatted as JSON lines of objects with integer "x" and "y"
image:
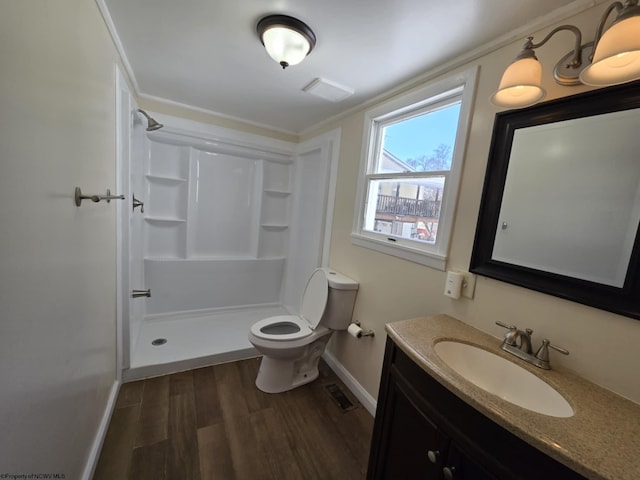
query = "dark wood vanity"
{"x": 424, "y": 431}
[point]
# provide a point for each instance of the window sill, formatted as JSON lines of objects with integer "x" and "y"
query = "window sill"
{"x": 429, "y": 259}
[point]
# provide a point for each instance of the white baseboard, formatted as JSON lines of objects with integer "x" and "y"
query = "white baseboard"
{"x": 98, "y": 440}
{"x": 367, "y": 401}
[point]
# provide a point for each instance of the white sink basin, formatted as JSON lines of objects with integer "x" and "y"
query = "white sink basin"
{"x": 503, "y": 378}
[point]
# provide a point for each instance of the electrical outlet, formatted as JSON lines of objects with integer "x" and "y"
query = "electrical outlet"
{"x": 468, "y": 285}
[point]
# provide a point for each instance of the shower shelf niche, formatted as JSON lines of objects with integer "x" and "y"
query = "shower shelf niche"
{"x": 273, "y": 226}
{"x": 164, "y": 220}
{"x": 275, "y": 209}
{"x": 277, "y": 193}
{"x": 165, "y": 179}
{"x": 190, "y": 190}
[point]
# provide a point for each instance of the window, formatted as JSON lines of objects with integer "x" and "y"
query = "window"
{"x": 410, "y": 171}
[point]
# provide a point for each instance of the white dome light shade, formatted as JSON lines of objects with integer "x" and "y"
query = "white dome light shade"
{"x": 617, "y": 56}
{"x": 284, "y": 45}
{"x": 520, "y": 85}
{"x": 287, "y": 40}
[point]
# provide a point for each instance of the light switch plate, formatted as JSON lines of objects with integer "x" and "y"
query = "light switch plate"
{"x": 453, "y": 284}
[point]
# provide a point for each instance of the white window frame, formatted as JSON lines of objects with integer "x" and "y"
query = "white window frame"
{"x": 459, "y": 86}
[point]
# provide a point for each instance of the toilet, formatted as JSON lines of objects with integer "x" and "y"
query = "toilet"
{"x": 291, "y": 345}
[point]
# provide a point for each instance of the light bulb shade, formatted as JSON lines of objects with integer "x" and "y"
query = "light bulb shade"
{"x": 617, "y": 56}
{"x": 284, "y": 45}
{"x": 520, "y": 85}
{"x": 287, "y": 40}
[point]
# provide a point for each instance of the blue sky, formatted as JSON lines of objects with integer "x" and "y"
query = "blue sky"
{"x": 421, "y": 135}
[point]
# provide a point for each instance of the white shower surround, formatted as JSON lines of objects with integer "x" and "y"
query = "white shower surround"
{"x": 234, "y": 224}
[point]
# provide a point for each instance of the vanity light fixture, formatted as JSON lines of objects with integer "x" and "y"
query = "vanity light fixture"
{"x": 287, "y": 40}
{"x": 612, "y": 58}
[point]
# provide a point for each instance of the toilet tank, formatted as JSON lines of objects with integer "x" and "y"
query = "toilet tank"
{"x": 340, "y": 302}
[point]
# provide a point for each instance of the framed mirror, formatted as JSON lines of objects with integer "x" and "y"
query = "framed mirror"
{"x": 560, "y": 208}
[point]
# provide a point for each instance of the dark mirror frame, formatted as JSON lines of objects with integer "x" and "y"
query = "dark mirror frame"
{"x": 625, "y": 300}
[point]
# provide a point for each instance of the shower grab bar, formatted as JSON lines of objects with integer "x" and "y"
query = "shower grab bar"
{"x": 95, "y": 198}
{"x": 140, "y": 293}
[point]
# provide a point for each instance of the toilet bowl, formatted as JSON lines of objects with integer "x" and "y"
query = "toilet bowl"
{"x": 291, "y": 345}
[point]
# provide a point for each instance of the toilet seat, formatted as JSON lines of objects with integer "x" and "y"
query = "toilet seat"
{"x": 293, "y": 327}
{"x": 260, "y": 328}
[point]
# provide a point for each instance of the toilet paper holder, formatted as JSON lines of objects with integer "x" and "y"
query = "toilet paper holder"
{"x": 359, "y": 331}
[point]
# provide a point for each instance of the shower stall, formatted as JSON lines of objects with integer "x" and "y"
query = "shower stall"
{"x": 221, "y": 229}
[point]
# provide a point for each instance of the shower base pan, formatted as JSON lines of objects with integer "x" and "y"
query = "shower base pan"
{"x": 174, "y": 343}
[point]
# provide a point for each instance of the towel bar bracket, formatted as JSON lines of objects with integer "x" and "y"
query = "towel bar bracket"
{"x": 95, "y": 198}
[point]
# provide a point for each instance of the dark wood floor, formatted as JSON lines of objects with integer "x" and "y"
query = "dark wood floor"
{"x": 213, "y": 423}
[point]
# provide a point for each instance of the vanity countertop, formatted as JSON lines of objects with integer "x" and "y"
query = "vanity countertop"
{"x": 600, "y": 441}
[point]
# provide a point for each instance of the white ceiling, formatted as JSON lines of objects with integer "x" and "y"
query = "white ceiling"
{"x": 206, "y": 53}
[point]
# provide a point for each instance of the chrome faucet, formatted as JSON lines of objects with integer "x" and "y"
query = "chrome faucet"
{"x": 518, "y": 343}
{"x": 517, "y": 338}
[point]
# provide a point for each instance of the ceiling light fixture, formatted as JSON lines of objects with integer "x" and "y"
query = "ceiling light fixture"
{"x": 287, "y": 40}
{"x": 612, "y": 58}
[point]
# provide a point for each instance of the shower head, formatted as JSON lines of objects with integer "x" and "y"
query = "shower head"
{"x": 152, "y": 124}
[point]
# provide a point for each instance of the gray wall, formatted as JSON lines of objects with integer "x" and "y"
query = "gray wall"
{"x": 57, "y": 261}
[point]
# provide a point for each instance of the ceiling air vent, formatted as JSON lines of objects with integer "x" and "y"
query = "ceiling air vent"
{"x": 328, "y": 90}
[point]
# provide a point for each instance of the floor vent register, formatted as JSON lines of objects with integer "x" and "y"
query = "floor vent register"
{"x": 338, "y": 395}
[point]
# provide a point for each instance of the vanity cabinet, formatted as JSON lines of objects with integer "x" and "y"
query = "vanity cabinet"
{"x": 423, "y": 431}
{"x": 415, "y": 446}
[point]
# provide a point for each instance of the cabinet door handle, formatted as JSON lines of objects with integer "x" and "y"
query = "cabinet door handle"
{"x": 433, "y": 455}
{"x": 448, "y": 472}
